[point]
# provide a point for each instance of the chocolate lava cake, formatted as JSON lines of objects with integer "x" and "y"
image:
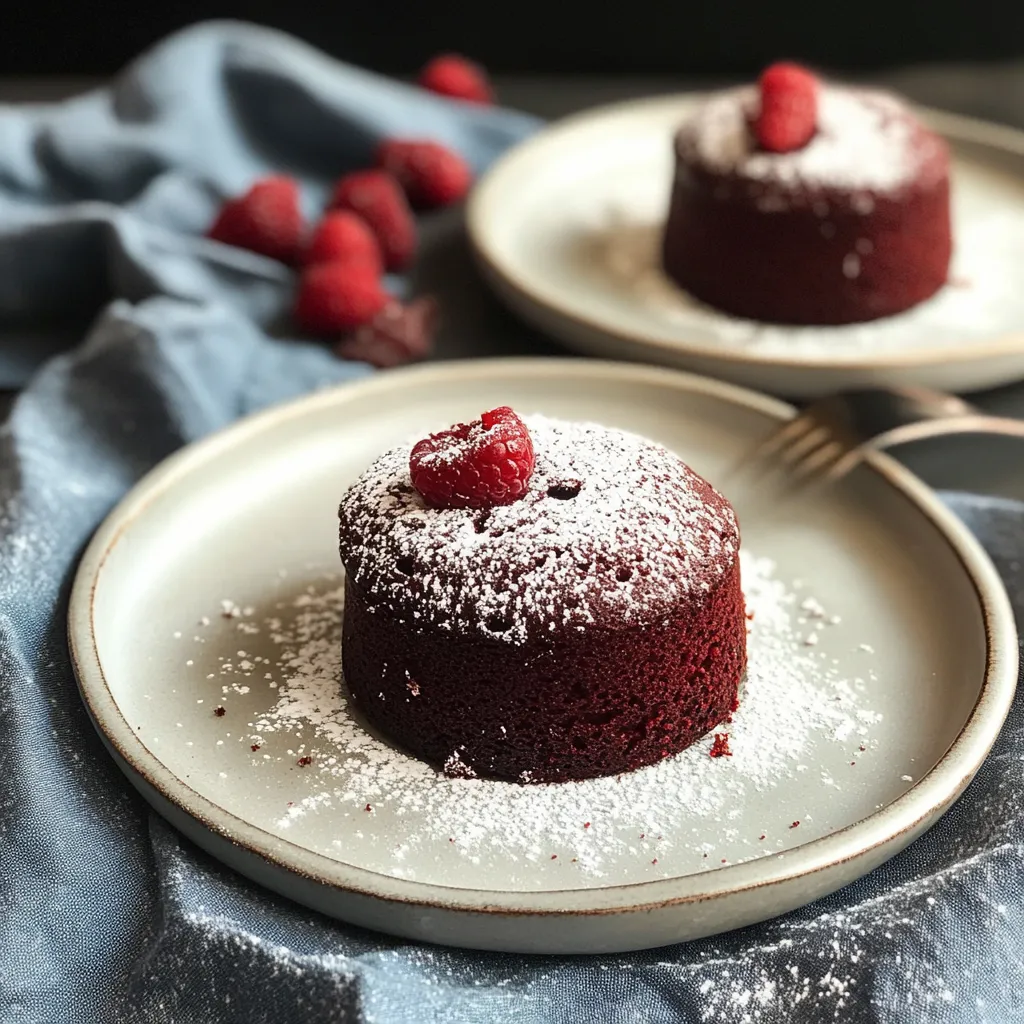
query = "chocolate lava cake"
{"x": 849, "y": 221}
{"x": 592, "y": 624}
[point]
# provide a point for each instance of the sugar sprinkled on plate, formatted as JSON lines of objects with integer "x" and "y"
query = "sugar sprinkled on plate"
{"x": 790, "y": 700}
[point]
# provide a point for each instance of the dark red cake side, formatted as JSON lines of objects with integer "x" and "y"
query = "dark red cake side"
{"x": 545, "y": 641}
{"x": 630, "y": 697}
{"x": 853, "y": 227}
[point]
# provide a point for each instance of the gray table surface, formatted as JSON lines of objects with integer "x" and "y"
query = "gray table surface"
{"x": 475, "y": 324}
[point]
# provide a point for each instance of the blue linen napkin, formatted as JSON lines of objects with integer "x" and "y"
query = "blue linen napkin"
{"x": 109, "y": 915}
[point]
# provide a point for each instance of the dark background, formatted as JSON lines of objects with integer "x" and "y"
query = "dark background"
{"x": 727, "y": 37}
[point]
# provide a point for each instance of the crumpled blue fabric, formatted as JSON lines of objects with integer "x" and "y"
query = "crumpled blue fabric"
{"x": 106, "y": 913}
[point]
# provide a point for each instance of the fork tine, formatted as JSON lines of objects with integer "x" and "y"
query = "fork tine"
{"x": 775, "y": 482}
{"x": 805, "y": 446}
{"x": 825, "y": 466}
{"x": 757, "y": 462}
{"x": 846, "y": 462}
{"x": 821, "y": 461}
{"x": 791, "y": 432}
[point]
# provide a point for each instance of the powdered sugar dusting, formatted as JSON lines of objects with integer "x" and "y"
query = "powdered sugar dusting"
{"x": 613, "y": 525}
{"x": 865, "y": 140}
{"x": 663, "y": 819}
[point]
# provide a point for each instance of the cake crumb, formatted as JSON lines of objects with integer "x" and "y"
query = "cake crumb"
{"x": 720, "y": 747}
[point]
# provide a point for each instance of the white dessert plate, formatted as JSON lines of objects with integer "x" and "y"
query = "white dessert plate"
{"x": 204, "y": 628}
{"x": 566, "y": 228}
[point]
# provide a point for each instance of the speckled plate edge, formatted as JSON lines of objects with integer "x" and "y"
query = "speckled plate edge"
{"x": 605, "y": 919}
{"x": 980, "y": 364}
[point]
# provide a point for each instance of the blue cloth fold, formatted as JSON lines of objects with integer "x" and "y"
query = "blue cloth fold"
{"x": 106, "y": 913}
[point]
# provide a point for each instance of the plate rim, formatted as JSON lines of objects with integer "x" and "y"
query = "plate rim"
{"x": 926, "y": 799}
{"x": 955, "y": 127}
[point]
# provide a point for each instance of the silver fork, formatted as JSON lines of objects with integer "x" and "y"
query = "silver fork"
{"x": 831, "y": 435}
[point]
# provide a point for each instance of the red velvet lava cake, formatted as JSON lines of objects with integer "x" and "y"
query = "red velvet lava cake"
{"x": 577, "y": 613}
{"x": 802, "y": 202}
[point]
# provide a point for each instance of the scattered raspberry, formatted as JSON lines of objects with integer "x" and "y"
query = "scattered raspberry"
{"x": 431, "y": 174}
{"x": 337, "y": 297}
{"x": 255, "y": 747}
{"x": 458, "y": 77}
{"x": 586, "y": 824}
{"x": 344, "y": 237}
{"x": 267, "y": 220}
{"x": 720, "y": 748}
{"x": 475, "y": 465}
{"x": 795, "y": 824}
{"x": 379, "y": 200}
{"x": 304, "y": 760}
{"x": 789, "y": 108}
{"x": 398, "y": 334}
{"x": 220, "y": 712}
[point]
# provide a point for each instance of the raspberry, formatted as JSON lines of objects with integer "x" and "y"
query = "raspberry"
{"x": 344, "y": 237}
{"x": 397, "y": 334}
{"x": 431, "y": 174}
{"x": 266, "y": 220}
{"x": 455, "y": 76}
{"x": 789, "y": 108}
{"x": 475, "y": 465}
{"x": 337, "y": 297}
{"x": 378, "y": 199}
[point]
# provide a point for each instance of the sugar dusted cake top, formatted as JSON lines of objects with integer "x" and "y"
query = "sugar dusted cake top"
{"x": 865, "y": 140}
{"x": 613, "y": 531}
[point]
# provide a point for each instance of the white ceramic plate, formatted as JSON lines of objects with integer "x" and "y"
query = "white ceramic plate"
{"x": 566, "y": 227}
{"x": 213, "y": 586}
